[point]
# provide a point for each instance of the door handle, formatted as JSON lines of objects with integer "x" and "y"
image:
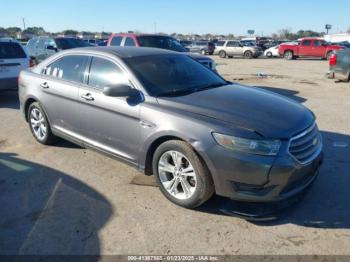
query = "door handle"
{"x": 88, "y": 97}
{"x": 44, "y": 85}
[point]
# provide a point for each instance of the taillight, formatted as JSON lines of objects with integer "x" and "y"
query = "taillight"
{"x": 333, "y": 60}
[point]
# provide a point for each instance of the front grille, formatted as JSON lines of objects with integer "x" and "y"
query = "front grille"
{"x": 307, "y": 145}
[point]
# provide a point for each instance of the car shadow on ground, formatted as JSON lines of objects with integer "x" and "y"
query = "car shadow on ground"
{"x": 47, "y": 212}
{"x": 292, "y": 94}
{"x": 325, "y": 205}
{"x": 9, "y": 99}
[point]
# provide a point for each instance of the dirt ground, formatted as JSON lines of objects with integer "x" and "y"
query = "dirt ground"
{"x": 68, "y": 200}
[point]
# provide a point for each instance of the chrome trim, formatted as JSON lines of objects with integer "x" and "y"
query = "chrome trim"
{"x": 314, "y": 155}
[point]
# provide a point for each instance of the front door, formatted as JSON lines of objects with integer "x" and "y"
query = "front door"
{"x": 111, "y": 124}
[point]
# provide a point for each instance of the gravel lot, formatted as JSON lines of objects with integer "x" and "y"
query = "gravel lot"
{"x": 69, "y": 200}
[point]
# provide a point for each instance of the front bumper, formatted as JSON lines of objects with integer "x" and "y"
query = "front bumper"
{"x": 254, "y": 178}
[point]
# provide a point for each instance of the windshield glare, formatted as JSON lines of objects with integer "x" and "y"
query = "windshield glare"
{"x": 163, "y": 42}
{"x": 163, "y": 75}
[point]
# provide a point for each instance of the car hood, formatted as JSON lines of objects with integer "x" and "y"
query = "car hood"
{"x": 269, "y": 114}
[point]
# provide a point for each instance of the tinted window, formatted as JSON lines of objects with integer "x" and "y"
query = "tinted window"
{"x": 129, "y": 42}
{"x": 232, "y": 44}
{"x": 69, "y": 68}
{"x": 165, "y": 74}
{"x": 307, "y": 43}
{"x": 104, "y": 73}
{"x": 116, "y": 41}
{"x": 10, "y": 50}
{"x": 163, "y": 42}
{"x": 220, "y": 43}
{"x": 68, "y": 43}
{"x": 319, "y": 43}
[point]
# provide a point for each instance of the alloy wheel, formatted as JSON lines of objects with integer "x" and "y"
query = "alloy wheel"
{"x": 177, "y": 175}
{"x": 38, "y": 124}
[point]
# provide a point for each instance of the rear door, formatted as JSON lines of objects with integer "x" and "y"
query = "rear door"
{"x": 319, "y": 48}
{"x": 60, "y": 84}
{"x": 111, "y": 124}
{"x": 306, "y": 48}
{"x": 13, "y": 59}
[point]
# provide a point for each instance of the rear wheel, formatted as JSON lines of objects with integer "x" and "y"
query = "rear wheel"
{"x": 222, "y": 54}
{"x": 288, "y": 55}
{"x": 39, "y": 125}
{"x": 269, "y": 54}
{"x": 248, "y": 54}
{"x": 181, "y": 175}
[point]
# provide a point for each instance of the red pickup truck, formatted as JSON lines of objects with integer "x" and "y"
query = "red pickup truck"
{"x": 308, "y": 47}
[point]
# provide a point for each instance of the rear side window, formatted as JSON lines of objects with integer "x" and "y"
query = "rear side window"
{"x": 129, "y": 42}
{"x": 10, "y": 50}
{"x": 307, "y": 43}
{"x": 70, "y": 68}
{"x": 116, "y": 41}
{"x": 232, "y": 44}
{"x": 104, "y": 73}
{"x": 319, "y": 43}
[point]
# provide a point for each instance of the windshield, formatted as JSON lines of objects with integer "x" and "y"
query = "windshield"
{"x": 68, "y": 43}
{"x": 163, "y": 42}
{"x": 172, "y": 75}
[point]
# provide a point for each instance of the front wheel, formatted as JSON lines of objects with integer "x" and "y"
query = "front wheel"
{"x": 269, "y": 54}
{"x": 181, "y": 175}
{"x": 203, "y": 52}
{"x": 222, "y": 54}
{"x": 289, "y": 55}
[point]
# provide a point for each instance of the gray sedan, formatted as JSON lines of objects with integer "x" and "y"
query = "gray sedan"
{"x": 168, "y": 115}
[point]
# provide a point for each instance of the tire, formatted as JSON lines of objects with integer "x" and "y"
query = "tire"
{"x": 203, "y": 52}
{"x": 222, "y": 54}
{"x": 172, "y": 179}
{"x": 269, "y": 55}
{"x": 39, "y": 125}
{"x": 248, "y": 55}
{"x": 289, "y": 55}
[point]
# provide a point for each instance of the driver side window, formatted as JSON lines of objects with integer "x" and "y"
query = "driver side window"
{"x": 104, "y": 73}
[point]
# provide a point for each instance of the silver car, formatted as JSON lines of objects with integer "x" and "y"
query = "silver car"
{"x": 232, "y": 48}
{"x": 168, "y": 115}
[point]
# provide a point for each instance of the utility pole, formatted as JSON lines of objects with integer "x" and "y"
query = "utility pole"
{"x": 24, "y": 24}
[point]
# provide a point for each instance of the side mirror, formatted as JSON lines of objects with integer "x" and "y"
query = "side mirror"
{"x": 50, "y": 47}
{"x": 120, "y": 90}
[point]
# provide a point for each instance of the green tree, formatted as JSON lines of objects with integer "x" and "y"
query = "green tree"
{"x": 13, "y": 31}
{"x": 70, "y": 32}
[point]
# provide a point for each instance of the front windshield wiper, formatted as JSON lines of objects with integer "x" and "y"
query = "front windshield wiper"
{"x": 179, "y": 92}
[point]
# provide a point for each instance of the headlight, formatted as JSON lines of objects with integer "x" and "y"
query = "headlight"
{"x": 257, "y": 147}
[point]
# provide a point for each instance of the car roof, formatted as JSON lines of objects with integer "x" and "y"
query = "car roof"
{"x": 137, "y": 35}
{"x": 123, "y": 52}
{"x": 9, "y": 40}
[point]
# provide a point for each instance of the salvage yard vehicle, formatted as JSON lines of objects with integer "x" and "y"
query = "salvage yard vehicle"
{"x": 232, "y": 48}
{"x": 13, "y": 59}
{"x": 158, "y": 41}
{"x": 272, "y": 52}
{"x": 308, "y": 47}
{"x": 166, "y": 114}
{"x": 42, "y": 47}
{"x": 202, "y": 47}
{"x": 339, "y": 65}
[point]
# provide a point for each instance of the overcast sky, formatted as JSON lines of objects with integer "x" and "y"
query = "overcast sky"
{"x": 185, "y": 16}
